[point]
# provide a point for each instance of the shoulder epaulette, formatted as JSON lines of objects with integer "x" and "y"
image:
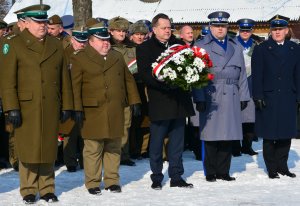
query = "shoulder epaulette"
{"x": 11, "y": 36}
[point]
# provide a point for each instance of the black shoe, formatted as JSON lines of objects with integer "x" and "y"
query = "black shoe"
{"x": 145, "y": 155}
{"x": 181, "y": 183}
{"x": 250, "y": 151}
{"x": 237, "y": 154}
{"x": 211, "y": 178}
{"x": 71, "y": 168}
{"x": 288, "y": 173}
{"x": 29, "y": 199}
{"x": 273, "y": 175}
{"x": 95, "y": 191}
{"x": 225, "y": 177}
{"x": 156, "y": 186}
{"x": 49, "y": 197}
{"x": 114, "y": 188}
{"x": 127, "y": 162}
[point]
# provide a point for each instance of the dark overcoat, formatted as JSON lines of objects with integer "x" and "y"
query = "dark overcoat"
{"x": 276, "y": 80}
{"x": 164, "y": 103}
{"x": 102, "y": 88}
{"x": 222, "y": 118}
{"x": 35, "y": 80}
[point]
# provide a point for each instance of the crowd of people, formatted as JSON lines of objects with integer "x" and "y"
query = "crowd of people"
{"x": 86, "y": 97}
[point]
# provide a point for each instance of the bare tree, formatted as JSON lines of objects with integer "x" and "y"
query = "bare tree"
{"x": 82, "y": 10}
{"x": 4, "y": 8}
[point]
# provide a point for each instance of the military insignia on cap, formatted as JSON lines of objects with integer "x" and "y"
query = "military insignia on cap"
{"x": 5, "y": 48}
{"x": 220, "y": 14}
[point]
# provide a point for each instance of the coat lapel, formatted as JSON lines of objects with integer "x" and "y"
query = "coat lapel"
{"x": 95, "y": 57}
{"x": 31, "y": 42}
{"x": 229, "y": 53}
{"x": 110, "y": 61}
{"x": 49, "y": 49}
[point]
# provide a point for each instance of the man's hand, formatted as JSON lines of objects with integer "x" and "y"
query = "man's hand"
{"x": 137, "y": 110}
{"x": 65, "y": 115}
{"x": 201, "y": 106}
{"x": 14, "y": 117}
{"x": 259, "y": 104}
{"x": 78, "y": 117}
{"x": 243, "y": 105}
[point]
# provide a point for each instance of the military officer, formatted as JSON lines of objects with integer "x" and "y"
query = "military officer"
{"x": 118, "y": 28}
{"x": 73, "y": 144}
{"x": 220, "y": 103}
{"x": 55, "y": 27}
{"x": 248, "y": 114}
{"x": 276, "y": 94}
{"x": 102, "y": 87}
{"x": 3, "y": 28}
{"x": 138, "y": 129}
{"x": 35, "y": 87}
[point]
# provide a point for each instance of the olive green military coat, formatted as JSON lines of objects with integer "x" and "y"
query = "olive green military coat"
{"x": 35, "y": 80}
{"x": 102, "y": 88}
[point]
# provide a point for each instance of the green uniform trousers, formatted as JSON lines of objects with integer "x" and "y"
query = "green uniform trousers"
{"x": 36, "y": 178}
{"x": 101, "y": 154}
{"x": 12, "y": 147}
{"x": 125, "y": 143}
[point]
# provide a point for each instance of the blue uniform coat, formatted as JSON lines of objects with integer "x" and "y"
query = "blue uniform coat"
{"x": 222, "y": 118}
{"x": 276, "y": 80}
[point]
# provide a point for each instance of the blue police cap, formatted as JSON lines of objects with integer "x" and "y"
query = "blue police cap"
{"x": 219, "y": 17}
{"x": 279, "y": 21}
{"x": 105, "y": 21}
{"x": 245, "y": 24}
{"x": 204, "y": 30}
{"x": 68, "y": 21}
{"x": 147, "y": 23}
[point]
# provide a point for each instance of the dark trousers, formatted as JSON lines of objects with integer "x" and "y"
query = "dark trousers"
{"x": 276, "y": 154}
{"x": 217, "y": 157}
{"x": 248, "y": 136}
{"x": 174, "y": 129}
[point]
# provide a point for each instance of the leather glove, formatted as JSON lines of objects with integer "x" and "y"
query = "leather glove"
{"x": 14, "y": 117}
{"x": 243, "y": 105}
{"x": 65, "y": 115}
{"x": 201, "y": 106}
{"x": 78, "y": 117}
{"x": 1, "y": 111}
{"x": 259, "y": 104}
{"x": 137, "y": 110}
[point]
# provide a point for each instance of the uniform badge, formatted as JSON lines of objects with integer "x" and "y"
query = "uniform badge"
{"x": 5, "y": 49}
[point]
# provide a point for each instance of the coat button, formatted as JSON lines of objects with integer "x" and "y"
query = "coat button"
{"x": 278, "y": 90}
{"x": 44, "y": 97}
{"x": 279, "y": 78}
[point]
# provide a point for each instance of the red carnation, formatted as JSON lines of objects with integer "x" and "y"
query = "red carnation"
{"x": 210, "y": 76}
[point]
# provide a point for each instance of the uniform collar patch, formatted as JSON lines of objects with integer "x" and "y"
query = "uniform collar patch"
{"x": 5, "y": 49}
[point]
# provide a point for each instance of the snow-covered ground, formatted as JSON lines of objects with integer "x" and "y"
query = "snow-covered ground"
{"x": 252, "y": 185}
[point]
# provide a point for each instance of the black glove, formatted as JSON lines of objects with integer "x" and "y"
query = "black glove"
{"x": 1, "y": 111}
{"x": 243, "y": 105}
{"x": 65, "y": 115}
{"x": 201, "y": 106}
{"x": 14, "y": 117}
{"x": 78, "y": 117}
{"x": 137, "y": 110}
{"x": 259, "y": 104}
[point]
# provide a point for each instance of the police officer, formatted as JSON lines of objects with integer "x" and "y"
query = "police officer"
{"x": 118, "y": 28}
{"x": 34, "y": 82}
{"x": 248, "y": 114}
{"x": 220, "y": 103}
{"x": 102, "y": 85}
{"x": 276, "y": 94}
{"x": 204, "y": 31}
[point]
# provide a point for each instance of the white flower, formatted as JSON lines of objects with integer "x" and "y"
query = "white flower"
{"x": 154, "y": 64}
{"x": 179, "y": 69}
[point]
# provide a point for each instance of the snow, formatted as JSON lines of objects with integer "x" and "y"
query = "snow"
{"x": 252, "y": 185}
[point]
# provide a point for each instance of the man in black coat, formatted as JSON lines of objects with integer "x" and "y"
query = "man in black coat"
{"x": 276, "y": 94}
{"x": 168, "y": 107}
